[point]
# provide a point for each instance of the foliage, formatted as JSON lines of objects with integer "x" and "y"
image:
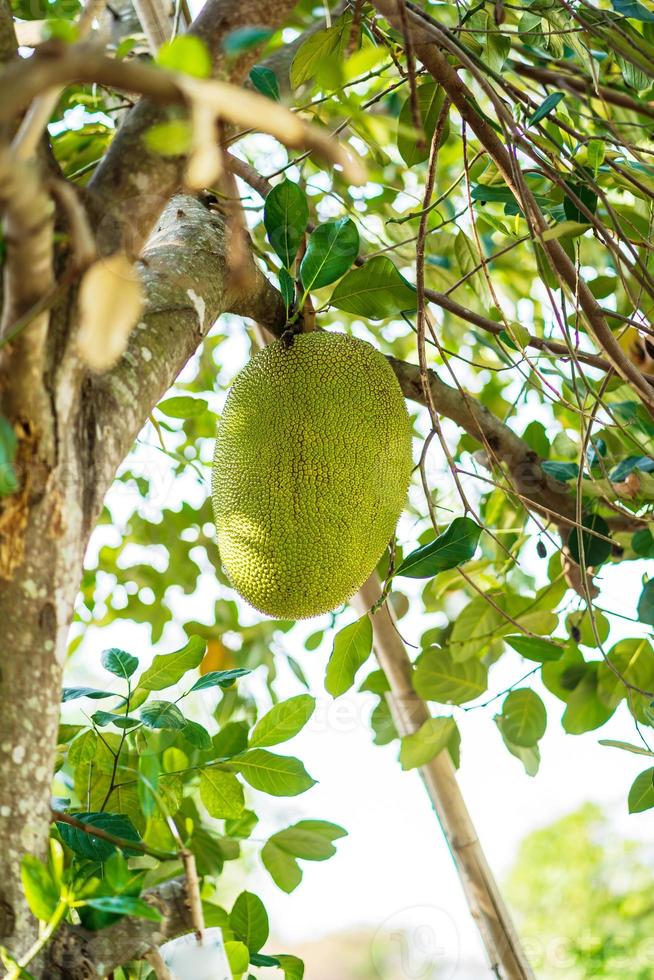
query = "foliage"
{"x": 509, "y": 521}
{"x": 581, "y": 896}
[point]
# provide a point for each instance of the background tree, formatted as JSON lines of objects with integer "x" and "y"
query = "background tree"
{"x": 582, "y": 897}
{"x": 504, "y": 224}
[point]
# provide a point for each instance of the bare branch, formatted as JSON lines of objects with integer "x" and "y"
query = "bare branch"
{"x": 155, "y": 19}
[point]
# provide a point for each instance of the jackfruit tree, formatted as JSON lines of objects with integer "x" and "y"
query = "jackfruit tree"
{"x": 448, "y": 203}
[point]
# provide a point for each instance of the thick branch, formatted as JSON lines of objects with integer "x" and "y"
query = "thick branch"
{"x": 133, "y": 183}
{"x": 77, "y": 954}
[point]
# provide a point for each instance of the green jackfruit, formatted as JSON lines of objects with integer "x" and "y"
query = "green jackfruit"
{"x": 311, "y": 472}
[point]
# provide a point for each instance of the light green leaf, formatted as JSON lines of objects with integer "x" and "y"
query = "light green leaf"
{"x": 282, "y": 868}
{"x": 219, "y": 678}
{"x": 352, "y": 647}
{"x": 375, "y": 290}
{"x": 292, "y": 966}
{"x": 626, "y": 746}
{"x": 424, "y": 745}
{"x": 440, "y": 678}
{"x": 529, "y": 756}
{"x": 283, "y": 721}
{"x": 183, "y": 407}
{"x": 187, "y": 54}
{"x": 524, "y": 717}
{"x": 318, "y": 48}
{"x": 41, "y": 890}
{"x": 277, "y": 775}
{"x": 414, "y": 149}
{"x": 169, "y": 668}
{"x": 311, "y": 840}
{"x": 475, "y": 628}
{"x": 533, "y": 648}
{"x": 249, "y": 921}
{"x": 331, "y": 250}
{"x": 641, "y": 794}
{"x": 221, "y": 793}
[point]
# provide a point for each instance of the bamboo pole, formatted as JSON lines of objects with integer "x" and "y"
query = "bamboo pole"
{"x": 505, "y": 953}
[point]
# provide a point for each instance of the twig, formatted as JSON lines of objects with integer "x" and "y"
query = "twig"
{"x": 122, "y": 842}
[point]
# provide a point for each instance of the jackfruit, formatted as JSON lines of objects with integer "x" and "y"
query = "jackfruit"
{"x": 311, "y": 472}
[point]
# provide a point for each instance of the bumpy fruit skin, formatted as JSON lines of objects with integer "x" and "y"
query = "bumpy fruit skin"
{"x": 311, "y": 472}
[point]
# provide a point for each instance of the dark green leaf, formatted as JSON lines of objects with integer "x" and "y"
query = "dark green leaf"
{"x": 8, "y": 444}
{"x": 633, "y": 9}
{"x": 86, "y": 845}
{"x": 72, "y": 693}
{"x": 244, "y": 38}
{"x": 162, "y": 715}
{"x": 456, "y": 545}
{"x": 595, "y": 549}
{"x": 265, "y": 81}
{"x": 414, "y": 147}
{"x": 119, "y": 662}
{"x": 331, "y": 250}
{"x": 125, "y": 905}
{"x": 285, "y": 216}
{"x": 219, "y": 678}
{"x": 547, "y": 105}
{"x": 103, "y": 718}
{"x": 560, "y": 471}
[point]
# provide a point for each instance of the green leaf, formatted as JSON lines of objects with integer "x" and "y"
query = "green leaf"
{"x": 641, "y": 794}
{"x": 125, "y": 905}
{"x": 287, "y": 289}
{"x": 219, "y": 678}
{"x": 149, "y": 770}
{"x": 169, "y": 139}
{"x": 454, "y": 547}
{"x": 249, "y": 921}
{"x": 286, "y": 216}
{"x": 595, "y": 549}
{"x": 221, "y": 793}
{"x": 41, "y": 890}
{"x": 197, "y": 735}
{"x": 529, "y": 756}
{"x": 414, "y": 147}
{"x": 318, "y": 48}
{"x": 72, "y": 693}
{"x": 265, "y": 82}
{"x": 231, "y": 739}
{"x": 277, "y": 775}
{"x": 439, "y": 678}
{"x": 422, "y": 746}
{"x": 586, "y": 196}
{"x": 331, "y": 250}
{"x": 169, "y": 668}
{"x": 183, "y": 407}
{"x": 238, "y": 957}
{"x": 375, "y": 290}
{"x": 86, "y": 845}
{"x": 626, "y": 746}
{"x": 282, "y": 868}
{"x": 292, "y": 966}
{"x": 119, "y": 662}
{"x": 533, "y": 648}
{"x": 162, "y": 715}
{"x": 283, "y": 721}
{"x": 547, "y": 106}
{"x": 244, "y": 38}
{"x": 187, "y": 54}
{"x": 103, "y": 718}
{"x": 311, "y": 840}
{"x": 524, "y": 717}
{"x": 352, "y": 647}
{"x": 8, "y": 445}
{"x": 596, "y": 150}
{"x": 475, "y": 628}
{"x": 585, "y": 711}
{"x": 646, "y": 604}
{"x": 633, "y": 9}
